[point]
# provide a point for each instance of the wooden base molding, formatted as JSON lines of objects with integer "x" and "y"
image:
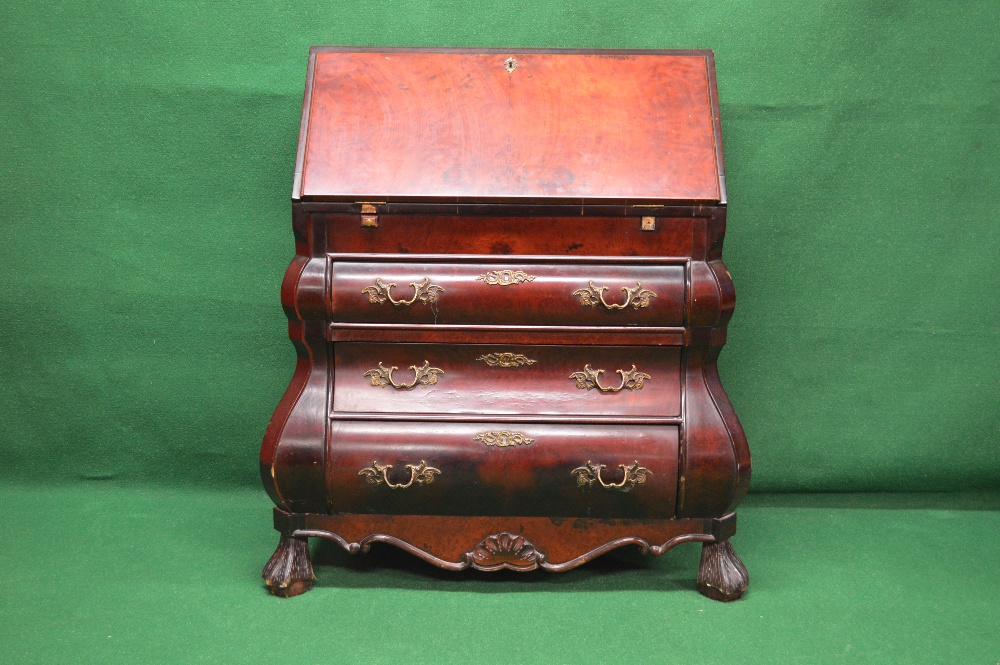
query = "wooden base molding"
{"x": 503, "y": 543}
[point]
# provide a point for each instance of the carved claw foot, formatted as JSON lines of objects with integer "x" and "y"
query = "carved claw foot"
{"x": 289, "y": 572}
{"x": 721, "y": 576}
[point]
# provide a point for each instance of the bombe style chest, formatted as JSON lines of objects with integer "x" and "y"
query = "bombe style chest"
{"x": 507, "y": 301}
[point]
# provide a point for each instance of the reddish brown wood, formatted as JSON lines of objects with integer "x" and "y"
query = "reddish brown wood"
{"x": 504, "y": 236}
{"x": 425, "y": 125}
{"x": 539, "y": 382}
{"x": 413, "y": 170}
{"x": 539, "y": 209}
{"x": 576, "y": 335}
{"x": 559, "y": 543}
{"x": 533, "y": 478}
{"x": 721, "y": 575}
{"x": 546, "y": 297}
{"x": 289, "y": 571}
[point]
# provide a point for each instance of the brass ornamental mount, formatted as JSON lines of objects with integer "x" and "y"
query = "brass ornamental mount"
{"x": 503, "y": 439}
{"x": 506, "y": 359}
{"x": 378, "y": 474}
{"x": 636, "y": 296}
{"x": 425, "y": 293}
{"x": 424, "y": 375}
{"x": 590, "y": 473}
{"x": 590, "y": 378}
{"x": 505, "y": 277}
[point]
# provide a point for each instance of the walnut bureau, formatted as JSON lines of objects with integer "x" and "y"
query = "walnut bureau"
{"x": 507, "y": 301}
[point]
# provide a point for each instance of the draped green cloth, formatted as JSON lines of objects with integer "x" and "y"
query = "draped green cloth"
{"x": 146, "y": 157}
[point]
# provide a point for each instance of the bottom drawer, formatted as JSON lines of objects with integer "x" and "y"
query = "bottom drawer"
{"x": 427, "y": 468}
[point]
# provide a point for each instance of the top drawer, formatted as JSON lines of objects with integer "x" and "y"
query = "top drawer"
{"x": 507, "y": 294}
{"x": 498, "y": 235}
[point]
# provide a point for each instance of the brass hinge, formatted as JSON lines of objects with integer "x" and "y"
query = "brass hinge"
{"x": 369, "y": 215}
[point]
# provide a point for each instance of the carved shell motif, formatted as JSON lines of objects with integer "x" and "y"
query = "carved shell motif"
{"x": 504, "y": 550}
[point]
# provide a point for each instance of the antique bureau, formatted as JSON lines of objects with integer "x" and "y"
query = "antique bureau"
{"x": 507, "y": 301}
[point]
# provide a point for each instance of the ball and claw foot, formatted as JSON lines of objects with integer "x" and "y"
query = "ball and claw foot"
{"x": 721, "y": 575}
{"x": 289, "y": 572}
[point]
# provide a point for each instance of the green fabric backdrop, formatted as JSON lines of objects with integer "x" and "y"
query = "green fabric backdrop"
{"x": 146, "y": 154}
{"x": 147, "y": 160}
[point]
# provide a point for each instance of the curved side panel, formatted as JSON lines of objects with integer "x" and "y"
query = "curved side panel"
{"x": 741, "y": 448}
{"x": 715, "y": 454}
{"x": 716, "y": 466}
{"x": 727, "y": 292}
{"x": 292, "y": 455}
{"x": 706, "y": 297}
{"x": 297, "y": 462}
{"x": 272, "y": 434}
{"x": 738, "y": 438}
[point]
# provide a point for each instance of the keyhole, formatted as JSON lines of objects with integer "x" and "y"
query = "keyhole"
{"x": 510, "y": 64}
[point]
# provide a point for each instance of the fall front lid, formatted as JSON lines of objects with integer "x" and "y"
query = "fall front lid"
{"x": 510, "y": 126}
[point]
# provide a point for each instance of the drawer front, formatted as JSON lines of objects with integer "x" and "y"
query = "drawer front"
{"x": 506, "y": 380}
{"x": 625, "y": 471}
{"x": 507, "y": 294}
{"x": 552, "y": 236}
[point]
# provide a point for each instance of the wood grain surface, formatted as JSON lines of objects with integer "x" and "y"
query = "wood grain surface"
{"x": 540, "y": 385}
{"x": 545, "y": 297}
{"x": 508, "y": 300}
{"x": 477, "y": 479}
{"x": 420, "y": 125}
{"x": 546, "y": 235}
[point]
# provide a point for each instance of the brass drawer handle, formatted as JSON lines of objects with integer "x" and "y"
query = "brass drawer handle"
{"x": 590, "y": 473}
{"x": 635, "y": 296}
{"x": 425, "y": 292}
{"x": 590, "y": 378}
{"x": 425, "y": 375}
{"x": 378, "y": 474}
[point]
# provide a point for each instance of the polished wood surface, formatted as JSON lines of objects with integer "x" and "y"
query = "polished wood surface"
{"x": 533, "y": 478}
{"x": 502, "y": 236}
{"x": 483, "y": 334}
{"x": 536, "y": 380}
{"x": 425, "y": 125}
{"x": 460, "y": 414}
{"x": 560, "y": 543}
{"x": 546, "y": 296}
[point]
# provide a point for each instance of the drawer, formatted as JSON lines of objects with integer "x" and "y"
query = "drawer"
{"x": 507, "y": 294}
{"x": 485, "y": 234}
{"x": 506, "y": 380}
{"x": 502, "y": 469}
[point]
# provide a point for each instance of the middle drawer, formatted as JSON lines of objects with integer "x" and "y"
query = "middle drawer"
{"x": 507, "y": 294}
{"x": 506, "y": 380}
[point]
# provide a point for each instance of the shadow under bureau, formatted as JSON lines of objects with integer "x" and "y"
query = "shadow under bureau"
{"x": 507, "y": 301}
